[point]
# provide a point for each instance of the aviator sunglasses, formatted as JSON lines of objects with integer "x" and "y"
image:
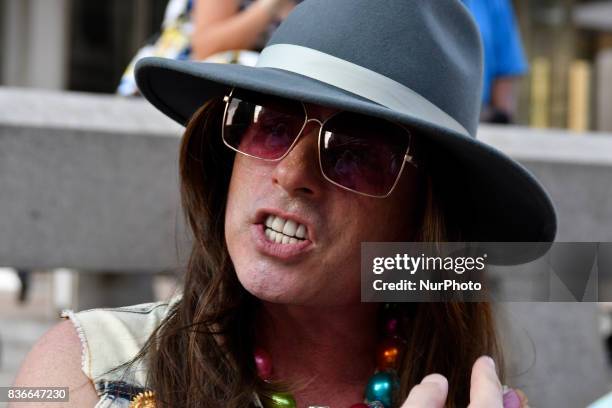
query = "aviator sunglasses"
{"x": 358, "y": 153}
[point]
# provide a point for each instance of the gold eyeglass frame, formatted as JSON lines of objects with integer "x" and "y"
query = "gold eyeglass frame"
{"x": 408, "y": 158}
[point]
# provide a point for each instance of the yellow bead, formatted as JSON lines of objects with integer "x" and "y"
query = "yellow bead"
{"x": 143, "y": 400}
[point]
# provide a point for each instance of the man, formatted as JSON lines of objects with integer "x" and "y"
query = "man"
{"x": 504, "y": 59}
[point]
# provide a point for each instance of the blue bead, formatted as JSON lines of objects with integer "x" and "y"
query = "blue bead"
{"x": 381, "y": 387}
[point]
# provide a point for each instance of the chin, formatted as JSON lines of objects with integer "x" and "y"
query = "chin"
{"x": 279, "y": 296}
{"x": 271, "y": 285}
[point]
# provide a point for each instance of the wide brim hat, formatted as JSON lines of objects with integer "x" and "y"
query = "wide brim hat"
{"x": 415, "y": 62}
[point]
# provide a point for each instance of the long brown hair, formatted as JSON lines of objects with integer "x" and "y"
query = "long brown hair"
{"x": 201, "y": 354}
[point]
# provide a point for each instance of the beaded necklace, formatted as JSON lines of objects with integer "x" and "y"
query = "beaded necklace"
{"x": 381, "y": 386}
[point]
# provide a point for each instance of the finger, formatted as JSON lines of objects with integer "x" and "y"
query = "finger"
{"x": 515, "y": 398}
{"x": 430, "y": 393}
{"x": 485, "y": 390}
{"x": 523, "y": 398}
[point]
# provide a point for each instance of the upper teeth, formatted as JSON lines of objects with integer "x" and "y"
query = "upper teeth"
{"x": 286, "y": 227}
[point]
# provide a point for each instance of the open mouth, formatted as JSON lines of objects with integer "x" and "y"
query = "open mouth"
{"x": 283, "y": 231}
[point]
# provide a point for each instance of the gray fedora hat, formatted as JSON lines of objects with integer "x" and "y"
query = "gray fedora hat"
{"x": 416, "y": 62}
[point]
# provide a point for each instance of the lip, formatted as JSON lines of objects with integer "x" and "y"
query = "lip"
{"x": 281, "y": 251}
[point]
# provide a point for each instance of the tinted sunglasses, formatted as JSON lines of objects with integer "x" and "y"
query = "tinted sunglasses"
{"x": 359, "y": 153}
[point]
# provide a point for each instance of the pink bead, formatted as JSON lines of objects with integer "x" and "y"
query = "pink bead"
{"x": 360, "y": 405}
{"x": 391, "y": 326}
{"x": 263, "y": 362}
{"x": 512, "y": 400}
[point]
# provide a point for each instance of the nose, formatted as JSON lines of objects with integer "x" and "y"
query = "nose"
{"x": 298, "y": 173}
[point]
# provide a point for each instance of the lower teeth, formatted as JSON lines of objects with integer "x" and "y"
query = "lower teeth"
{"x": 280, "y": 238}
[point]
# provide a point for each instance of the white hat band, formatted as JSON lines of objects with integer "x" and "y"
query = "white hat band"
{"x": 357, "y": 80}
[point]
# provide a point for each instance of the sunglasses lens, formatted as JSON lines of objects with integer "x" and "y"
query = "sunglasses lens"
{"x": 261, "y": 126}
{"x": 362, "y": 153}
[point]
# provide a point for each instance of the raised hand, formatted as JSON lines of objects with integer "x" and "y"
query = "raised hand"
{"x": 485, "y": 389}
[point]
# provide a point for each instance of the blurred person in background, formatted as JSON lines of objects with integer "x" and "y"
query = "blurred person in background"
{"x": 235, "y": 25}
{"x": 173, "y": 41}
{"x": 504, "y": 58}
{"x": 222, "y": 30}
{"x": 24, "y": 278}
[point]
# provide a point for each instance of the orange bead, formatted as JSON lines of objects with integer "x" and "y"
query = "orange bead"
{"x": 389, "y": 354}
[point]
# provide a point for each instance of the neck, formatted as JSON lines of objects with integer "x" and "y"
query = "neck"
{"x": 324, "y": 347}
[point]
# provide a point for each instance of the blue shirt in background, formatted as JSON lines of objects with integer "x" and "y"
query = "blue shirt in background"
{"x": 503, "y": 51}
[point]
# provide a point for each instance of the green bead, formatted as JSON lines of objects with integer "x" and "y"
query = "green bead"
{"x": 381, "y": 387}
{"x": 282, "y": 400}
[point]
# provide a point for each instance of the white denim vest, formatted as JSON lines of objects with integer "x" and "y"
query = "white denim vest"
{"x": 111, "y": 337}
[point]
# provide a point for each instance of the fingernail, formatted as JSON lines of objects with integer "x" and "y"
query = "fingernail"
{"x": 437, "y": 379}
{"x": 490, "y": 361}
{"x": 522, "y": 396}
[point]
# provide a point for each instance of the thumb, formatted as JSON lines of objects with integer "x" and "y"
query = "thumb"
{"x": 430, "y": 393}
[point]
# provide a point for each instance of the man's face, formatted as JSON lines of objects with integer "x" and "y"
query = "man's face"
{"x": 324, "y": 268}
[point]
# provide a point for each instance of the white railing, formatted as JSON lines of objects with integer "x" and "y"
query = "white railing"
{"x": 90, "y": 181}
